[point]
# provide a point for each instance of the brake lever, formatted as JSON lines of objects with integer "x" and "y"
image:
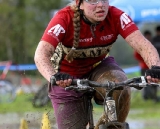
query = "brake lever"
{"x": 138, "y": 83}
{"x": 143, "y": 83}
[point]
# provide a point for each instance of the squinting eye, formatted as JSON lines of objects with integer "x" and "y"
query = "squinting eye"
{"x": 92, "y": 1}
{"x": 95, "y": 1}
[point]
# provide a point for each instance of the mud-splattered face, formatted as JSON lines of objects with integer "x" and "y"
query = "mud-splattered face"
{"x": 95, "y": 12}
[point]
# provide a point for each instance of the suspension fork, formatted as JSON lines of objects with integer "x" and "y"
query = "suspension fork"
{"x": 89, "y": 108}
{"x": 90, "y": 113}
{"x": 110, "y": 107}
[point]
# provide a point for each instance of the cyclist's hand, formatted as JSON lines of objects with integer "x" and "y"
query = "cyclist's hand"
{"x": 63, "y": 79}
{"x": 153, "y": 74}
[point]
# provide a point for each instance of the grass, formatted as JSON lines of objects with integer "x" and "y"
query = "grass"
{"x": 22, "y": 103}
{"x": 135, "y": 74}
{"x": 146, "y": 109}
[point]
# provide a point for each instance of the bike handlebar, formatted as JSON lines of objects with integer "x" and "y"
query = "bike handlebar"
{"x": 84, "y": 84}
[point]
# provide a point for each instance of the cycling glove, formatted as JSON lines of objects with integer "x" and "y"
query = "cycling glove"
{"x": 61, "y": 76}
{"x": 154, "y": 72}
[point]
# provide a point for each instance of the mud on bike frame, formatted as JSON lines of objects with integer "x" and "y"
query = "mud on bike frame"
{"x": 82, "y": 85}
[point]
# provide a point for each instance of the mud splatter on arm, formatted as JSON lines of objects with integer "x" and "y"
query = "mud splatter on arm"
{"x": 144, "y": 47}
{"x": 42, "y": 57}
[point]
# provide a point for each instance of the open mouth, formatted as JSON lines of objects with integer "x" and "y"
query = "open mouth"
{"x": 101, "y": 11}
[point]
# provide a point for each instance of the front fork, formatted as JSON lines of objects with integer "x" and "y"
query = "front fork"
{"x": 111, "y": 114}
{"x": 90, "y": 112}
{"x": 110, "y": 107}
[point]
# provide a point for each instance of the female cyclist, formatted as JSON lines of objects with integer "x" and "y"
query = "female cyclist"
{"x": 76, "y": 44}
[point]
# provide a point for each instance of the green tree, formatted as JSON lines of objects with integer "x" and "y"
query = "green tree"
{"x": 6, "y": 12}
{"x": 22, "y": 24}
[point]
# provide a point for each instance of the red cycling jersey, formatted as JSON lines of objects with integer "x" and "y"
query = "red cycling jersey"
{"x": 95, "y": 39}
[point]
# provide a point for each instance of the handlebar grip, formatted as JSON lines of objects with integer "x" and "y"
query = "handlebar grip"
{"x": 74, "y": 81}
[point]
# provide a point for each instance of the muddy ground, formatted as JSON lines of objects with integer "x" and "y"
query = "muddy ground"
{"x": 34, "y": 121}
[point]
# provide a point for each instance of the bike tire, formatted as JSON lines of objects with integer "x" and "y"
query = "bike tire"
{"x": 41, "y": 98}
{"x": 125, "y": 125}
{"x": 7, "y": 91}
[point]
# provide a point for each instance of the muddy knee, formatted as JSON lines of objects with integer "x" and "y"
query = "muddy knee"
{"x": 111, "y": 75}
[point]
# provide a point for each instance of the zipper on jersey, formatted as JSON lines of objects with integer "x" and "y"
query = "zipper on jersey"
{"x": 93, "y": 28}
{"x": 92, "y": 25}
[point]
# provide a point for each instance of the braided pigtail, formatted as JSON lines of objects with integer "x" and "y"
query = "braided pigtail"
{"x": 76, "y": 24}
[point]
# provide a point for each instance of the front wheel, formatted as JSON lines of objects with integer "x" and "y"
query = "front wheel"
{"x": 114, "y": 125}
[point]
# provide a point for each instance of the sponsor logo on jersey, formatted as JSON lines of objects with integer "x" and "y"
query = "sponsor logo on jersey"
{"x": 125, "y": 20}
{"x": 86, "y": 40}
{"x": 107, "y": 37}
{"x": 56, "y": 30}
{"x": 103, "y": 38}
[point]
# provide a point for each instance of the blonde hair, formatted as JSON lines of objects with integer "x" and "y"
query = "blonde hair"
{"x": 76, "y": 25}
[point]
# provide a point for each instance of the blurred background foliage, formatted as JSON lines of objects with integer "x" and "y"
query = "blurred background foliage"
{"x": 22, "y": 24}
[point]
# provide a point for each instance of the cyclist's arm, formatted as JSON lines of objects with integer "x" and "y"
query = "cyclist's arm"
{"x": 144, "y": 47}
{"x": 42, "y": 57}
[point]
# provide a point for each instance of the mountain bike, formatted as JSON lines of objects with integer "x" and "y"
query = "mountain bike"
{"x": 41, "y": 98}
{"x": 110, "y": 121}
{"x": 7, "y": 91}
